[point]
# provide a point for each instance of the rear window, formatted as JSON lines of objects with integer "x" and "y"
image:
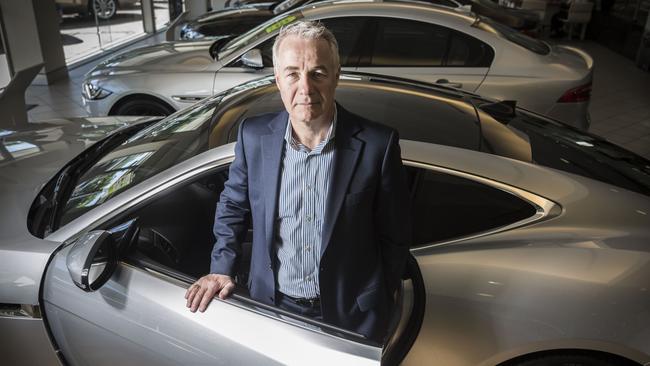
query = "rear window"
{"x": 556, "y": 145}
{"x": 531, "y": 44}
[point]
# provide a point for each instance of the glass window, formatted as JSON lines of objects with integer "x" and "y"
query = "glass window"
{"x": 347, "y": 32}
{"x": 446, "y": 207}
{"x": 402, "y": 42}
{"x": 559, "y": 146}
{"x": 180, "y": 242}
{"x": 466, "y": 51}
{"x": 148, "y": 152}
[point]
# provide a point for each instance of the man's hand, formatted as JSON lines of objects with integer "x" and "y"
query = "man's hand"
{"x": 203, "y": 290}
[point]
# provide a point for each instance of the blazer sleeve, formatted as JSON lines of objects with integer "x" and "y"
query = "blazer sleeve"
{"x": 231, "y": 216}
{"x": 393, "y": 214}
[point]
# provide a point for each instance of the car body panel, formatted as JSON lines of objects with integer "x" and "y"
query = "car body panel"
{"x": 595, "y": 268}
{"x": 141, "y": 318}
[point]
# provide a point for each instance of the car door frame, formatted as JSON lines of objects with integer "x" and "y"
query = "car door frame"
{"x": 327, "y": 341}
{"x": 480, "y": 74}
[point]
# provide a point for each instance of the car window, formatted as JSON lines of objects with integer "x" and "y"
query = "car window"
{"x": 148, "y": 152}
{"x": 467, "y": 51}
{"x": 447, "y": 207}
{"x": 401, "y": 42}
{"x": 347, "y": 32}
{"x": 562, "y": 147}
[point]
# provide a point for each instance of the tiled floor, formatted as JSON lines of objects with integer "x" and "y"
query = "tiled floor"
{"x": 620, "y": 104}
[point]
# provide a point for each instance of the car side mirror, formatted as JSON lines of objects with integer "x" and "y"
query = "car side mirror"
{"x": 253, "y": 59}
{"x": 92, "y": 260}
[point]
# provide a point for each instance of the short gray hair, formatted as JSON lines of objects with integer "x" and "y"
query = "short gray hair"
{"x": 307, "y": 29}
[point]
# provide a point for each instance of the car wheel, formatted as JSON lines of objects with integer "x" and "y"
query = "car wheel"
{"x": 105, "y": 9}
{"x": 569, "y": 360}
{"x": 142, "y": 107}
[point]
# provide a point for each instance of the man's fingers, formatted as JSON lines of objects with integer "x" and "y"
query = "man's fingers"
{"x": 226, "y": 290}
{"x": 206, "y": 298}
{"x": 190, "y": 293}
{"x": 197, "y": 299}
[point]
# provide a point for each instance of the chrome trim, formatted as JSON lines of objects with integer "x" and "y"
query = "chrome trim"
{"x": 188, "y": 98}
{"x": 545, "y": 208}
{"x": 22, "y": 311}
{"x": 256, "y": 307}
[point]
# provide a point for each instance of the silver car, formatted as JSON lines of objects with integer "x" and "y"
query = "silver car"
{"x": 415, "y": 41}
{"x": 512, "y": 263}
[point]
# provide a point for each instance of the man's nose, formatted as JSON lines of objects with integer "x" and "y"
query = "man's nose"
{"x": 306, "y": 85}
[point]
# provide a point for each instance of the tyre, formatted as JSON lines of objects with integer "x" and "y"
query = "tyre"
{"x": 105, "y": 9}
{"x": 570, "y": 360}
{"x": 142, "y": 107}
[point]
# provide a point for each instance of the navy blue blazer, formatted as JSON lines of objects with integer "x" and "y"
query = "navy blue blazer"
{"x": 366, "y": 229}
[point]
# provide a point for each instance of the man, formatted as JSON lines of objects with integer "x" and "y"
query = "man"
{"x": 327, "y": 196}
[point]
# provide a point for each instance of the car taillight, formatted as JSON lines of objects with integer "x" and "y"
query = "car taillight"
{"x": 575, "y": 95}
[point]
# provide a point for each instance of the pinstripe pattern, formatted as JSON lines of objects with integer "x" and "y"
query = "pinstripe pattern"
{"x": 301, "y": 207}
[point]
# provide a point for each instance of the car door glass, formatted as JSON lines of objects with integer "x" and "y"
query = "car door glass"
{"x": 408, "y": 43}
{"x": 347, "y": 32}
{"x": 467, "y": 51}
{"x": 447, "y": 207}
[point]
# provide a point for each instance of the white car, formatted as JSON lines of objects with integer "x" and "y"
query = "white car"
{"x": 414, "y": 41}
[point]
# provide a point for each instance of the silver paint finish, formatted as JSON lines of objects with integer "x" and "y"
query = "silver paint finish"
{"x": 573, "y": 280}
{"x": 176, "y": 69}
{"x": 142, "y": 319}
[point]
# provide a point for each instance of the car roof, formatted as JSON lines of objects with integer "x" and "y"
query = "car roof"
{"x": 392, "y": 8}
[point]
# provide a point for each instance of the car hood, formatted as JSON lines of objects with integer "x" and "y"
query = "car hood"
{"x": 29, "y": 158}
{"x": 180, "y": 56}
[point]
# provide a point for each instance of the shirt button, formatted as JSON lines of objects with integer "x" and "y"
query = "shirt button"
{"x": 307, "y": 248}
{"x": 308, "y": 218}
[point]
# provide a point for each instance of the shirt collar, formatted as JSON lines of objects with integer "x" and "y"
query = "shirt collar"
{"x": 288, "y": 136}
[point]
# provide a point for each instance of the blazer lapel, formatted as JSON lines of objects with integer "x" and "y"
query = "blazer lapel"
{"x": 346, "y": 155}
{"x": 272, "y": 149}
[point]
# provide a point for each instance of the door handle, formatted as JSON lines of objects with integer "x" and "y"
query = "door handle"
{"x": 446, "y": 82}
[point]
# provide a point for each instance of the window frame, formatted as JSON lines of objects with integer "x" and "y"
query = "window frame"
{"x": 373, "y": 26}
{"x": 545, "y": 208}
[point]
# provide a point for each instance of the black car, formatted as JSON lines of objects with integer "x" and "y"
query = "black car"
{"x": 232, "y": 22}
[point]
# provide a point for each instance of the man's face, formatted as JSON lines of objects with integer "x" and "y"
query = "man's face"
{"x": 307, "y": 78}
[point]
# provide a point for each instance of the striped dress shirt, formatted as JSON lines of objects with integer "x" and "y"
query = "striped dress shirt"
{"x": 305, "y": 177}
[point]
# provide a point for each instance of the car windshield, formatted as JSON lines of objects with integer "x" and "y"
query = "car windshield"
{"x": 142, "y": 155}
{"x": 257, "y": 33}
{"x": 531, "y": 44}
{"x": 562, "y": 147}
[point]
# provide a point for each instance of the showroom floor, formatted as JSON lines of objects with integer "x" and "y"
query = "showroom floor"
{"x": 620, "y": 103}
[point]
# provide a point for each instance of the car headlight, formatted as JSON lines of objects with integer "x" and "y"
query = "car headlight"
{"x": 93, "y": 92}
